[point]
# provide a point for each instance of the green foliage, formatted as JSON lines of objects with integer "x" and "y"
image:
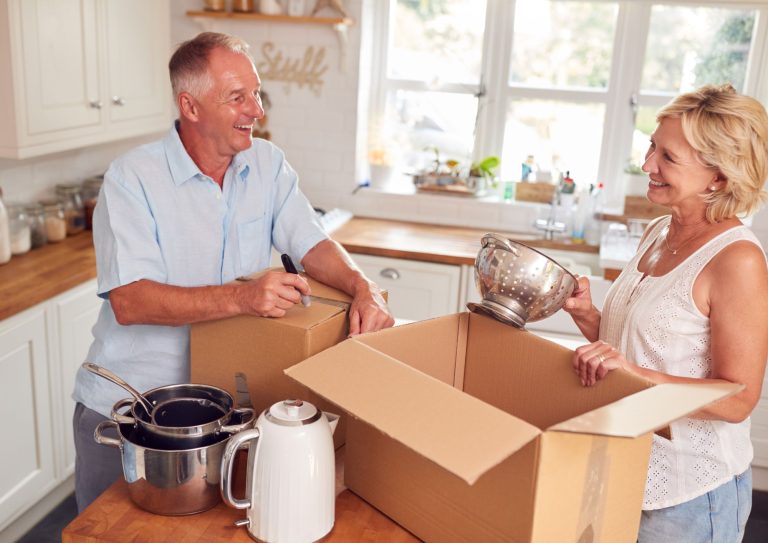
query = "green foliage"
{"x": 728, "y": 53}
{"x": 485, "y": 167}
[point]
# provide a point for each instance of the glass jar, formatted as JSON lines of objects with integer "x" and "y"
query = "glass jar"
{"x": 55, "y": 223}
{"x": 36, "y": 216}
{"x": 18, "y": 226}
{"x": 90, "y": 193}
{"x": 74, "y": 211}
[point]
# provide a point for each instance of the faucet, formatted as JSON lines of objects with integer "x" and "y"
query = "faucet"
{"x": 550, "y": 225}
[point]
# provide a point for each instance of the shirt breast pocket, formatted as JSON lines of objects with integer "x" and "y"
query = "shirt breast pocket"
{"x": 251, "y": 240}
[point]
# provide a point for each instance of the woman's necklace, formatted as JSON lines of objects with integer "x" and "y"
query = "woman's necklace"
{"x": 683, "y": 244}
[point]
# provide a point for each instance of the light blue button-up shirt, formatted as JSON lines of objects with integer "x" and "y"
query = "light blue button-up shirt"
{"x": 160, "y": 218}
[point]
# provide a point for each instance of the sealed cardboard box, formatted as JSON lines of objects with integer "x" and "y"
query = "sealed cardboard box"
{"x": 462, "y": 428}
{"x": 261, "y": 348}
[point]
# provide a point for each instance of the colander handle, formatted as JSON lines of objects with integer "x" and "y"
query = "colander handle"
{"x": 502, "y": 241}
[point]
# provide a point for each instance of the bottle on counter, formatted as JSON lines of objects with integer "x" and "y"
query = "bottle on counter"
{"x": 74, "y": 211}
{"x": 36, "y": 215}
{"x": 55, "y": 223}
{"x": 90, "y": 193}
{"x": 18, "y": 227}
{"x": 5, "y": 234}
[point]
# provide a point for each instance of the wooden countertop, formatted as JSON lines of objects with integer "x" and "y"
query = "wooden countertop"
{"x": 114, "y": 518}
{"x": 43, "y": 273}
{"x": 428, "y": 242}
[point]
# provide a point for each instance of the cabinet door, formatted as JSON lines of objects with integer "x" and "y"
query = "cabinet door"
{"x": 417, "y": 290}
{"x": 136, "y": 38}
{"x": 73, "y": 315}
{"x": 26, "y": 470}
{"x": 59, "y": 65}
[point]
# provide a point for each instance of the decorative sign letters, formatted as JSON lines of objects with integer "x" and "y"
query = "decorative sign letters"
{"x": 300, "y": 71}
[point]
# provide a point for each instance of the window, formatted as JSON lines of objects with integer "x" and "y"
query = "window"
{"x": 575, "y": 84}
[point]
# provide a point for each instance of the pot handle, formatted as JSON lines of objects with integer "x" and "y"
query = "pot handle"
{"x": 104, "y": 440}
{"x": 245, "y": 412}
{"x": 119, "y": 417}
{"x": 234, "y": 443}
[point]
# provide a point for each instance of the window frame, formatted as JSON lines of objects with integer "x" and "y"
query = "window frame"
{"x": 495, "y": 92}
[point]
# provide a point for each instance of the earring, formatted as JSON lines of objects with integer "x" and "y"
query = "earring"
{"x": 712, "y": 188}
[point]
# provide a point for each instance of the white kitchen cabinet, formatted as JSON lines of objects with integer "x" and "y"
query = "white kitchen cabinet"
{"x": 80, "y": 72}
{"x": 40, "y": 351}
{"x": 417, "y": 290}
{"x": 27, "y": 452}
{"x": 71, "y": 317}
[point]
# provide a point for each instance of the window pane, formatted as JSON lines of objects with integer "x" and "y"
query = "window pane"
{"x": 437, "y": 42}
{"x": 563, "y": 44}
{"x": 645, "y": 124}
{"x": 419, "y": 122}
{"x": 561, "y": 137}
{"x": 708, "y": 45}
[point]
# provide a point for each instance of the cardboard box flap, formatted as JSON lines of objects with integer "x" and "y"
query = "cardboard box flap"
{"x": 647, "y": 410}
{"x": 459, "y": 433}
{"x": 309, "y": 317}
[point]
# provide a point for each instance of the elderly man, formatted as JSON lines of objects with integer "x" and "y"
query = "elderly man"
{"x": 178, "y": 221}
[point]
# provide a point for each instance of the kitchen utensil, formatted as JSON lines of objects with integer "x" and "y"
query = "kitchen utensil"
{"x": 290, "y": 487}
{"x": 241, "y": 390}
{"x": 108, "y": 375}
{"x": 519, "y": 284}
{"x": 291, "y": 268}
{"x": 193, "y": 435}
{"x": 167, "y": 482}
{"x": 185, "y": 412}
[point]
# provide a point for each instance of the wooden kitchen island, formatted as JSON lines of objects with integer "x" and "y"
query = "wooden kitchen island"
{"x": 114, "y": 518}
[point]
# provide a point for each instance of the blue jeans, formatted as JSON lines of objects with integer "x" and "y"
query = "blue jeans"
{"x": 716, "y": 517}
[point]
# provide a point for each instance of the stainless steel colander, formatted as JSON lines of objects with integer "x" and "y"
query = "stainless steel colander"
{"x": 519, "y": 284}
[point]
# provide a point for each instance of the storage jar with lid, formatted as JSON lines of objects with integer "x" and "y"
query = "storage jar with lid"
{"x": 90, "y": 193}
{"x": 55, "y": 224}
{"x": 74, "y": 212}
{"x": 36, "y": 215}
{"x": 5, "y": 240}
{"x": 18, "y": 223}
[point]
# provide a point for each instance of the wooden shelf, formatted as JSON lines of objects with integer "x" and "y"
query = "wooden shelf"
{"x": 274, "y": 18}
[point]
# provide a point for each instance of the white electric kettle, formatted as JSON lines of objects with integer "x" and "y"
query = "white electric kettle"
{"x": 291, "y": 474}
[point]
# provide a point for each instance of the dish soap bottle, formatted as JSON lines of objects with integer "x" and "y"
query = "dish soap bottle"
{"x": 5, "y": 233}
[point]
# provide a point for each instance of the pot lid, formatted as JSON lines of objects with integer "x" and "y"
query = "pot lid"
{"x": 293, "y": 413}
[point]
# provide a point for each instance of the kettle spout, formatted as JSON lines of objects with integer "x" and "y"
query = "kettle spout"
{"x": 333, "y": 420}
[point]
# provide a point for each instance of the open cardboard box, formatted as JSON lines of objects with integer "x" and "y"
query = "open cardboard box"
{"x": 465, "y": 429}
{"x": 261, "y": 348}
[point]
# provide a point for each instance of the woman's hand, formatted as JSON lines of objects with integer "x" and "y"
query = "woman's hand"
{"x": 593, "y": 362}
{"x": 579, "y": 306}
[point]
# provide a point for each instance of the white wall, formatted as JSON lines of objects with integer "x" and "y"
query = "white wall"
{"x": 317, "y": 132}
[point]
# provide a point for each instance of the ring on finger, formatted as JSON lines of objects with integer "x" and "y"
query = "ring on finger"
{"x": 601, "y": 358}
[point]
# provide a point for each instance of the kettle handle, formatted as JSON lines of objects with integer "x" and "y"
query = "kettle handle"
{"x": 234, "y": 443}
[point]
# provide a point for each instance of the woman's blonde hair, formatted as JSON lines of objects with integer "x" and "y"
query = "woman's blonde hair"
{"x": 729, "y": 132}
{"x": 188, "y": 66}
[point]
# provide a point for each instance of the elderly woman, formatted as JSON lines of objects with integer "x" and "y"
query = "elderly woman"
{"x": 692, "y": 306}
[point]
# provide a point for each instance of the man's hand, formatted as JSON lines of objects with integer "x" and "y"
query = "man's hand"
{"x": 271, "y": 294}
{"x": 369, "y": 311}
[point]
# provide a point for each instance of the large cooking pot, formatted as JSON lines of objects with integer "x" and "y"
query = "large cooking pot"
{"x": 187, "y": 432}
{"x": 181, "y": 482}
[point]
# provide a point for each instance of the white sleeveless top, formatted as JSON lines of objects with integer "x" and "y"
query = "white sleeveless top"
{"x": 656, "y": 324}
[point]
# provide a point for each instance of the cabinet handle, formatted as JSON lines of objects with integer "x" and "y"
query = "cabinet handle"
{"x": 390, "y": 273}
{"x": 95, "y": 104}
{"x": 118, "y": 101}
